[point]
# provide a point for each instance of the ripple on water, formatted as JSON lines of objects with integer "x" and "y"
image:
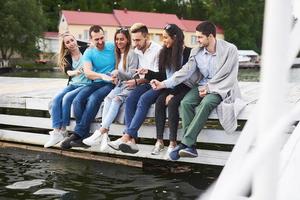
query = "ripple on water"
{"x": 50, "y": 191}
{"x": 26, "y": 184}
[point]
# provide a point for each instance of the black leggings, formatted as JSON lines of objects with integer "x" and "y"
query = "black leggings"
{"x": 173, "y": 112}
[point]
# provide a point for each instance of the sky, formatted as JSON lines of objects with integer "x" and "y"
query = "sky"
{"x": 296, "y": 8}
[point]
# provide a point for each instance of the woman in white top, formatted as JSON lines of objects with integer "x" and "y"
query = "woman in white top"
{"x": 126, "y": 65}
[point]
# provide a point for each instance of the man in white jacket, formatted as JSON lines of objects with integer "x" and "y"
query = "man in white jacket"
{"x": 212, "y": 70}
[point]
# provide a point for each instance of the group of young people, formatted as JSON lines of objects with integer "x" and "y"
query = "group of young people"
{"x": 180, "y": 81}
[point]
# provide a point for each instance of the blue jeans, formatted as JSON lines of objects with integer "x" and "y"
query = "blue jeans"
{"x": 137, "y": 105}
{"x": 61, "y": 106}
{"x": 111, "y": 107}
{"x": 86, "y": 105}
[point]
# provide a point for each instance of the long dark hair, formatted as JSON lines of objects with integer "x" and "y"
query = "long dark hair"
{"x": 172, "y": 57}
{"x": 124, "y": 31}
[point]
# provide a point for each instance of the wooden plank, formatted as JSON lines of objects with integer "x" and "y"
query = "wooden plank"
{"x": 37, "y": 103}
{"x": 206, "y": 135}
{"x": 81, "y": 155}
{"x": 204, "y": 156}
{"x": 25, "y": 103}
{"x": 26, "y": 121}
{"x": 12, "y": 102}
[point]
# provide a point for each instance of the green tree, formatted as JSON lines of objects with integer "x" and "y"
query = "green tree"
{"x": 51, "y": 10}
{"x": 242, "y": 21}
{"x": 21, "y": 25}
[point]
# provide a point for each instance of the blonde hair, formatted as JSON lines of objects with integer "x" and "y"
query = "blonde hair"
{"x": 139, "y": 27}
{"x": 63, "y": 51}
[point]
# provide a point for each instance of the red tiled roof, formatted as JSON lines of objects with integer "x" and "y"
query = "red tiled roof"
{"x": 192, "y": 24}
{"x": 90, "y": 18}
{"x": 50, "y": 34}
{"x": 127, "y": 18}
{"x": 152, "y": 20}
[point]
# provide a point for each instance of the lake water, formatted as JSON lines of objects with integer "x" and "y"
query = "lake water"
{"x": 82, "y": 179}
{"x": 245, "y": 74}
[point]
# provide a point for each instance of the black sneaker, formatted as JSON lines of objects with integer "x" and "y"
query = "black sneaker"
{"x": 66, "y": 144}
{"x": 78, "y": 143}
{"x": 129, "y": 147}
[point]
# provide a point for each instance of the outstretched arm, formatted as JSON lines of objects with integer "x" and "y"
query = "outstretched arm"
{"x": 90, "y": 74}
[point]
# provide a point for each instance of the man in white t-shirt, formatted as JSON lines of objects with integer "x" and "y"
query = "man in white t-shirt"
{"x": 143, "y": 96}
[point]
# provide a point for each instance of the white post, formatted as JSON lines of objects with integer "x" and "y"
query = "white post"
{"x": 274, "y": 76}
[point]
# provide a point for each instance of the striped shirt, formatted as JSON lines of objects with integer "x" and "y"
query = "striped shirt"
{"x": 206, "y": 62}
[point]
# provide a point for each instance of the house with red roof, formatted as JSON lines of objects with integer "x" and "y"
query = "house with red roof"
{"x": 78, "y": 23}
{"x": 49, "y": 42}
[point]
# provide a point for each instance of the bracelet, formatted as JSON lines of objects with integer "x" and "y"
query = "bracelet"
{"x": 136, "y": 83}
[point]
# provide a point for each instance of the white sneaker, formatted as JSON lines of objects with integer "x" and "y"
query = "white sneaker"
{"x": 167, "y": 157}
{"x": 158, "y": 147}
{"x": 104, "y": 142}
{"x": 115, "y": 144}
{"x": 64, "y": 133}
{"x": 55, "y": 137}
{"x": 94, "y": 139}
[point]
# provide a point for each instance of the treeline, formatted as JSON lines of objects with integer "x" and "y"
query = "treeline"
{"x": 241, "y": 20}
{"x": 22, "y": 22}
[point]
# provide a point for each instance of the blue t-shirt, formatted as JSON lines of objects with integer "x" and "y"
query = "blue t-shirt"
{"x": 79, "y": 79}
{"x": 102, "y": 61}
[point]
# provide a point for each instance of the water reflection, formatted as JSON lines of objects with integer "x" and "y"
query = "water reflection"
{"x": 252, "y": 74}
{"x": 245, "y": 74}
{"x": 84, "y": 179}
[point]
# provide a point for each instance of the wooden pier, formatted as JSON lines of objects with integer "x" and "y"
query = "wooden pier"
{"x": 36, "y": 93}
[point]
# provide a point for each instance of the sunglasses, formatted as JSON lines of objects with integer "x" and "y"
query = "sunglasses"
{"x": 168, "y": 26}
{"x": 122, "y": 29}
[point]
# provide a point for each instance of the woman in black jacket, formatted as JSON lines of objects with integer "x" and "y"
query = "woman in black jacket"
{"x": 172, "y": 57}
{"x": 70, "y": 60}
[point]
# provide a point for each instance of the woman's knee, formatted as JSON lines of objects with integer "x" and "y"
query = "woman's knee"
{"x": 173, "y": 105}
{"x": 160, "y": 101}
{"x": 107, "y": 99}
{"x": 58, "y": 97}
{"x": 117, "y": 100}
{"x": 67, "y": 99}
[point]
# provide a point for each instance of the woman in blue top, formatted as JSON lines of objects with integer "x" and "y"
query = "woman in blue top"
{"x": 126, "y": 65}
{"x": 70, "y": 61}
